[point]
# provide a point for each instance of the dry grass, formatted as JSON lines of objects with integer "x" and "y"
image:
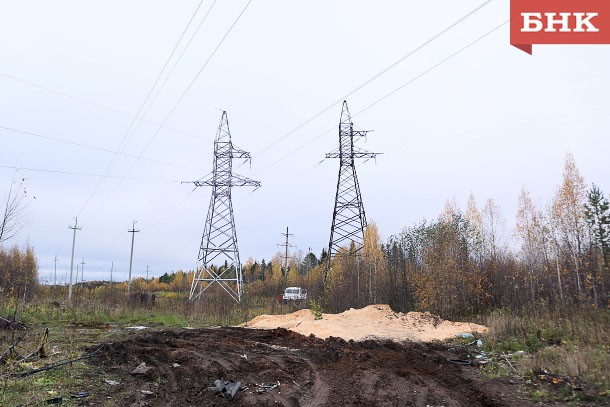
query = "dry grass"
{"x": 588, "y": 362}
{"x": 571, "y": 342}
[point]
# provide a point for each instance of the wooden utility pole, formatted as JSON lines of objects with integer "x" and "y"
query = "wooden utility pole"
{"x": 133, "y": 232}
{"x": 74, "y": 228}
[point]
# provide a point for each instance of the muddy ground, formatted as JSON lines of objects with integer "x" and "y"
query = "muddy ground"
{"x": 306, "y": 371}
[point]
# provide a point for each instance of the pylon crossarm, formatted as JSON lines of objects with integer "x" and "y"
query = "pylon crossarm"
{"x": 360, "y": 133}
{"x": 355, "y": 154}
{"x": 240, "y": 181}
{"x": 204, "y": 183}
{"x": 236, "y": 152}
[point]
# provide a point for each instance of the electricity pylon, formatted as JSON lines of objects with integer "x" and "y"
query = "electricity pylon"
{"x": 218, "y": 260}
{"x": 349, "y": 219}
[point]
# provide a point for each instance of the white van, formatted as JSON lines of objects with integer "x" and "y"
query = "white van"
{"x": 294, "y": 294}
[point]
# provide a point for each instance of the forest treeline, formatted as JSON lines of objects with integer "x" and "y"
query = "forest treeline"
{"x": 18, "y": 273}
{"x": 462, "y": 264}
{"x": 458, "y": 264}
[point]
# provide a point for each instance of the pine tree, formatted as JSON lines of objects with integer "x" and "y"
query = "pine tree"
{"x": 597, "y": 214}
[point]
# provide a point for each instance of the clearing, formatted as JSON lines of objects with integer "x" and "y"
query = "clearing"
{"x": 281, "y": 367}
{"x": 350, "y": 361}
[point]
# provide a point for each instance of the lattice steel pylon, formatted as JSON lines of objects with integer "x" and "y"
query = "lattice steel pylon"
{"x": 218, "y": 260}
{"x": 349, "y": 219}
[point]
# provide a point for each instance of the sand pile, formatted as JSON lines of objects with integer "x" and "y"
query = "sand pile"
{"x": 372, "y": 322}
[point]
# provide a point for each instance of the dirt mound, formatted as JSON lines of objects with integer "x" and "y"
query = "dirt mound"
{"x": 372, "y": 322}
{"x": 281, "y": 367}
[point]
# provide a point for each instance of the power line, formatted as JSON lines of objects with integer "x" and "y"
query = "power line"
{"x": 387, "y": 95}
{"x": 92, "y": 147}
{"x": 409, "y": 82}
{"x": 138, "y": 119}
{"x": 84, "y": 174}
{"x": 376, "y": 76}
{"x": 125, "y": 138}
{"x": 153, "y": 218}
{"x": 177, "y": 62}
{"x": 374, "y": 103}
{"x": 190, "y": 85}
{"x": 87, "y": 102}
{"x": 171, "y": 112}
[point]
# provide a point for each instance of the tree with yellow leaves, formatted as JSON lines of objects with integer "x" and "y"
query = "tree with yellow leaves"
{"x": 373, "y": 262}
{"x": 569, "y": 220}
{"x": 529, "y": 228}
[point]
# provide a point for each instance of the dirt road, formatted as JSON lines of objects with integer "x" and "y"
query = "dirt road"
{"x": 306, "y": 371}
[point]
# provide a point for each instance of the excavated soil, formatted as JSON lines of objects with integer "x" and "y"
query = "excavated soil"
{"x": 305, "y": 370}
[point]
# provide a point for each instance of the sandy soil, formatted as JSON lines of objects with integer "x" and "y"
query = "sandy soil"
{"x": 372, "y": 322}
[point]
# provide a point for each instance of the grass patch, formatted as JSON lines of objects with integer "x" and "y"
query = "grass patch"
{"x": 566, "y": 351}
{"x": 92, "y": 320}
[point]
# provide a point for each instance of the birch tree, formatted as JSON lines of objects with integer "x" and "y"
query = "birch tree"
{"x": 568, "y": 216}
{"x": 11, "y": 220}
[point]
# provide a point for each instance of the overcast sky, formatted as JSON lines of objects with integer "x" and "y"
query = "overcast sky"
{"x": 488, "y": 120}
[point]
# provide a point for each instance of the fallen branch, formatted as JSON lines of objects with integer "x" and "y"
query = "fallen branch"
{"x": 58, "y": 364}
{"x": 26, "y": 357}
{"x": 10, "y": 348}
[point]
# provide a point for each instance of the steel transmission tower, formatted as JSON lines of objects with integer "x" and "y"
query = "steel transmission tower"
{"x": 218, "y": 260}
{"x": 349, "y": 219}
